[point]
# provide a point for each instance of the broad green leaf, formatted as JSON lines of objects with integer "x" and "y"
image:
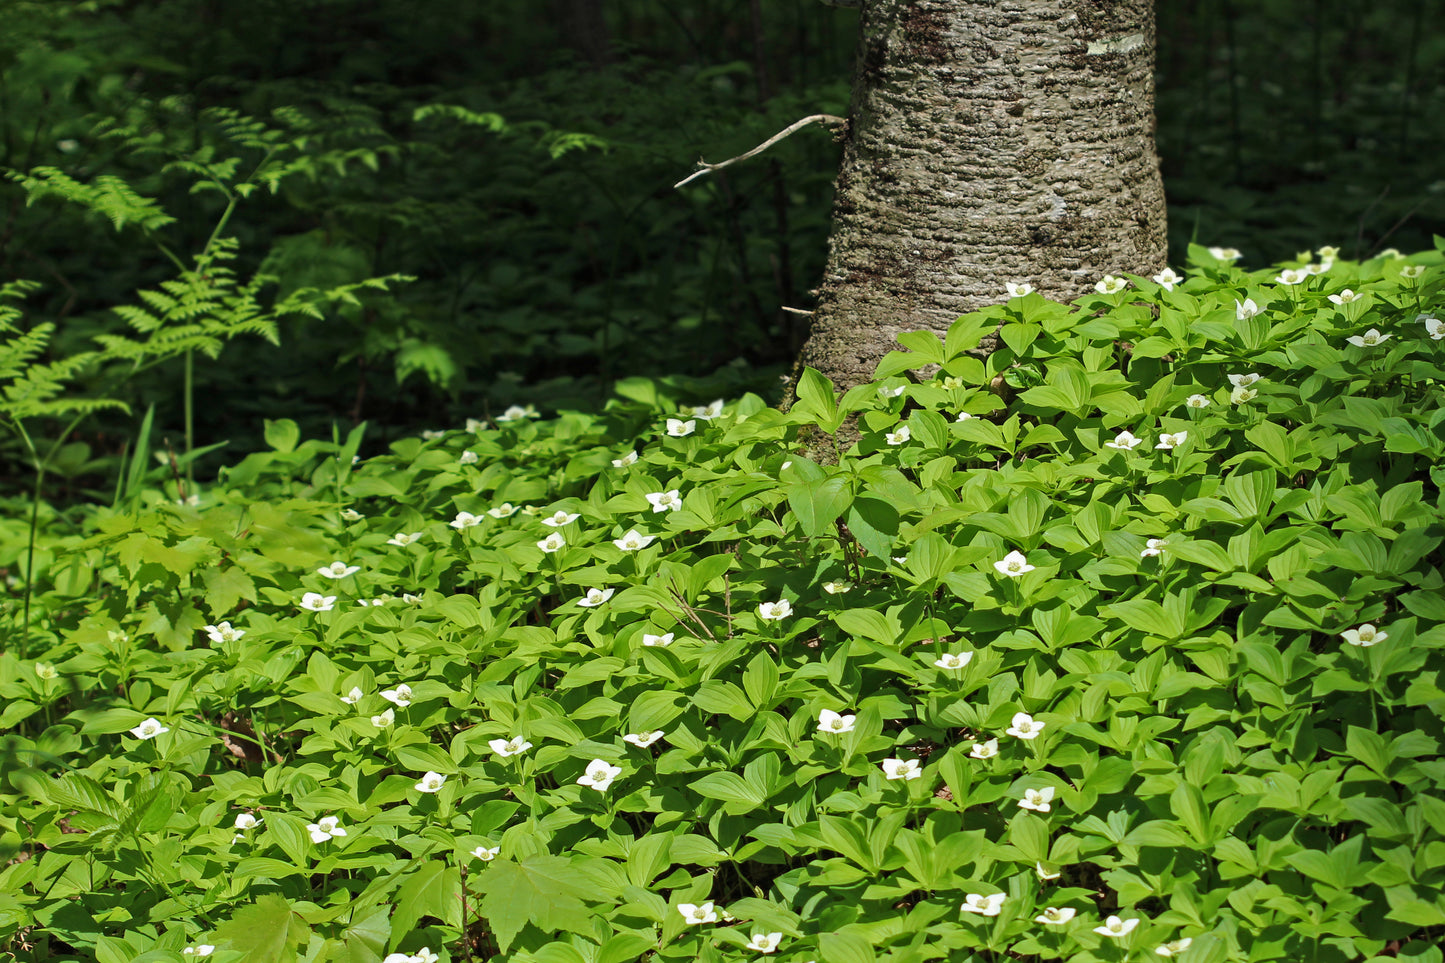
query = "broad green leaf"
{"x": 434, "y": 890}
{"x": 267, "y": 931}
{"x": 545, "y": 891}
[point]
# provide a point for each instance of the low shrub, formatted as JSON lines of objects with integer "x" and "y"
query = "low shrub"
{"x": 1122, "y": 640}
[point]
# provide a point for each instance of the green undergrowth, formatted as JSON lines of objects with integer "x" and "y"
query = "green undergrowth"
{"x": 1140, "y": 658}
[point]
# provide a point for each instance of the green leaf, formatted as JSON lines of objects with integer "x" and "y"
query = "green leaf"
{"x": 433, "y": 890}
{"x": 738, "y": 795}
{"x": 817, "y": 394}
{"x": 845, "y": 948}
{"x": 264, "y": 932}
{"x": 282, "y": 434}
{"x": 818, "y": 504}
{"x": 545, "y": 891}
{"x": 364, "y": 940}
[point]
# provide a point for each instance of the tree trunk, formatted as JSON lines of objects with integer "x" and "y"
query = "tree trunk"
{"x": 989, "y": 141}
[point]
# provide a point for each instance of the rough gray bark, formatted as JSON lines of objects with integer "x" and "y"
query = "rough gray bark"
{"x": 989, "y": 141}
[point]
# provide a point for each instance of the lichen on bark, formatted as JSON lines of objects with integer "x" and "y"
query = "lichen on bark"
{"x": 989, "y": 141}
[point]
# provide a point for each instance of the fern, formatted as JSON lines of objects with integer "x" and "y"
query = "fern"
{"x": 109, "y": 196}
{"x": 29, "y": 388}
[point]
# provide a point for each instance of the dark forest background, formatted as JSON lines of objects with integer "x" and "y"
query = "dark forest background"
{"x": 516, "y": 159}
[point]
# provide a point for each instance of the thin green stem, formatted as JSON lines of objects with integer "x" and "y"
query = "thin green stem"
{"x": 189, "y": 403}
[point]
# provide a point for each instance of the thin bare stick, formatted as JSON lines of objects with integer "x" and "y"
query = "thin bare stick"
{"x": 794, "y": 310}
{"x": 828, "y": 120}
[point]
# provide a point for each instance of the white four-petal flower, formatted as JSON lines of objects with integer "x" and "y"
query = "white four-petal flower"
{"x": 1116, "y": 927}
{"x": 317, "y": 602}
{"x": 514, "y": 746}
{"x": 661, "y": 641}
{"x": 1013, "y": 565}
{"x": 1018, "y": 290}
{"x": 665, "y": 501}
{"x": 1364, "y": 636}
{"x": 1037, "y": 799}
{"x": 338, "y": 570}
{"x": 504, "y": 510}
{"x": 149, "y": 729}
{"x": 984, "y": 750}
{"x": 1111, "y": 285}
{"x": 403, "y": 539}
{"x": 223, "y": 633}
{"x": 1169, "y": 441}
{"x": 953, "y": 660}
{"x": 431, "y": 782}
{"x": 560, "y": 517}
{"x": 1052, "y": 916}
{"x": 1245, "y": 310}
{"x": 677, "y": 428}
{"x": 835, "y": 724}
{"x": 595, "y": 597}
{"x": 990, "y": 905}
{"x": 765, "y": 942}
{"x": 401, "y": 695}
{"x": 599, "y": 774}
{"x": 1025, "y": 726}
{"x": 775, "y": 611}
{"x": 1166, "y": 279}
{"x": 1124, "y": 441}
{"x": 465, "y": 520}
{"x": 552, "y": 543}
{"x": 898, "y": 437}
{"x": 486, "y": 854}
{"x": 901, "y": 769}
{"x": 325, "y": 828}
{"x": 644, "y": 739}
{"x": 1174, "y": 947}
{"x": 1369, "y": 339}
{"x": 694, "y": 914}
{"x": 633, "y": 541}
{"x": 1153, "y": 547}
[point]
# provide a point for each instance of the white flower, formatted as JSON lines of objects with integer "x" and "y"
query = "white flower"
{"x": 403, "y": 539}
{"x": 351, "y": 515}
{"x": 953, "y": 660}
{"x": 385, "y": 719}
{"x": 774, "y": 611}
{"x": 465, "y": 520}
{"x": 401, "y": 695}
{"x": 678, "y": 428}
{"x": 1044, "y": 873}
{"x": 245, "y": 821}
{"x": 951, "y": 383}
{"x": 486, "y": 855}
{"x": 1024, "y": 726}
{"x": 984, "y": 750}
{"x": 595, "y": 597}
{"x": 692, "y": 913}
{"x": 317, "y": 602}
{"x": 425, "y": 955}
{"x": 963, "y": 416}
{"x": 560, "y": 517}
{"x": 901, "y": 769}
{"x": 765, "y": 942}
{"x": 834, "y": 724}
{"x": 504, "y": 510}
{"x": 399, "y": 958}
{"x": 431, "y": 434}
{"x": 1169, "y": 441}
{"x": 990, "y": 905}
{"x": 1241, "y": 395}
{"x": 837, "y": 588}
{"x": 1196, "y": 401}
{"x": 514, "y": 746}
{"x": 709, "y": 411}
{"x": 1243, "y": 380}
{"x": 1174, "y": 947}
{"x": 1345, "y": 297}
{"x": 469, "y": 458}
{"x": 1291, "y": 276}
{"x": 223, "y": 633}
{"x": 1166, "y": 279}
{"x": 1115, "y": 927}
{"x": 886, "y": 392}
{"x": 1124, "y": 441}
{"x": 900, "y": 560}
{"x": 662, "y": 641}
{"x": 1013, "y": 565}
{"x": 1369, "y": 339}
{"x": 1319, "y": 268}
{"x": 643, "y": 740}
{"x": 1328, "y": 253}
{"x": 338, "y": 570}
{"x": 1365, "y": 636}
{"x": 599, "y": 775}
{"x": 410, "y": 599}
{"x": 517, "y": 413}
{"x": 628, "y": 459}
{"x": 1153, "y": 547}
{"x": 44, "y": 670}
{"x": 632, "y": 541}
{"x": 353, "y": 697}
{"x": 325, "y": 828}
{"x": 1245, "y": 311}
{"x": 200, "y": 949}
{"x": 1111, "y": 285}
{"x": 898, "y": 437}
{"x": 431, "y": 782}
{"x": 1224, "y": 253}
{"x": 1055, "y": 917}
{"x": 1434, "y": 327}
{"x": 665, "y": 501}
{"x": 475, "y": 425}
{"x": 1037, "y": 799}
{"x": 552, "y": 543}
{"x": 1018, "y": 290}
{"x": 1412, "y": 271}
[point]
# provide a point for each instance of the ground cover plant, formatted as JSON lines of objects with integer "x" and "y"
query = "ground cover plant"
{"x": 1121, "y": 642}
